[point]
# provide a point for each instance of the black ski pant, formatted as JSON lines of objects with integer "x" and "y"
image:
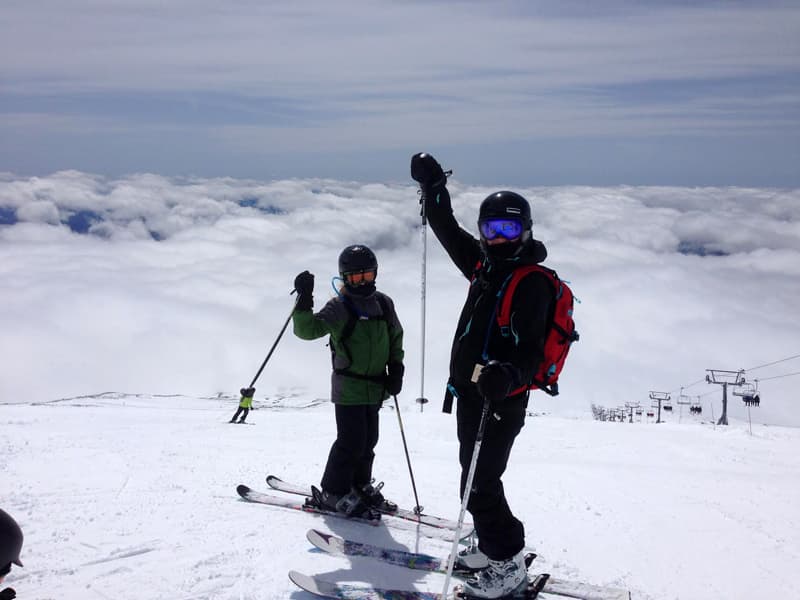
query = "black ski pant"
{"x": 352, "y": 454}
{"x": 241, "y": 410}
{"x": 500, "y": 534}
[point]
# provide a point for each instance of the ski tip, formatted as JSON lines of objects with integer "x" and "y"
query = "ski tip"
{"x": 243, "y": 490}
{"x": 272, "y": 478}
{"x": 302, "y": 580}
{"x": 318, "y": 538}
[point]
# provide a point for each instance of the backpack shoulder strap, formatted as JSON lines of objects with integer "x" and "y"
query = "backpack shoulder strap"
{"x": 504, "y": 311}
{"x": 385, "y": 310}
{"x": 352, "y": 319}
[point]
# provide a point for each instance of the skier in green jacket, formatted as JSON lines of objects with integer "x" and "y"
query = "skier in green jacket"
{"x": 366, "y": 341}
{"x": 245, "y": 404}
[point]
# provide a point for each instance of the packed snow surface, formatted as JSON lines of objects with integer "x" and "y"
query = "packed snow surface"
{"x": 133, "y": 496}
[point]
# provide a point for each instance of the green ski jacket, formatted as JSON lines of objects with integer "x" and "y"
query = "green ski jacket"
{"x": 359, "y": 362}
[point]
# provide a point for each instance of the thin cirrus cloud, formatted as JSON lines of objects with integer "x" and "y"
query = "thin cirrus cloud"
{"x": 150, "y": 284}
{"x": 249, "y": 87}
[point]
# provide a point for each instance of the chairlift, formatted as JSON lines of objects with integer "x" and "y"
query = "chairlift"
{"x": 749, "y": 393}
{"x": 667, "y": 407}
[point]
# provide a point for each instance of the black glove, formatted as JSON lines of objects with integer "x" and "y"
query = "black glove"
{"x": 394, "y": 379}
{"x": 8, "y": 594}
{"x": 304, "y": 284}
{"x": 426, "y": 171}
{"x": 497, "y": 380}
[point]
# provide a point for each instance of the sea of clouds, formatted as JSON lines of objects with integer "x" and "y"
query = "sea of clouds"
{"x": 168, "y": 285}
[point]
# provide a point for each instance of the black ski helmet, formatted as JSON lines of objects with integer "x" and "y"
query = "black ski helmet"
{"x": 357, "y": 258}
{"x": 10, "y": 540}
{"x": 506, "y": 205}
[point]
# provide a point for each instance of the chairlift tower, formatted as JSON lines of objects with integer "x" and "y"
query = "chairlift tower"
{"x": 631, "y": 406}
{"x": 725, "y": 378}
{"x": 659, "y": 397}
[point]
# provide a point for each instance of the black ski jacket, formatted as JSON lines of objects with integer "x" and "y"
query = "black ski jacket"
{"x": 478, "y": 338}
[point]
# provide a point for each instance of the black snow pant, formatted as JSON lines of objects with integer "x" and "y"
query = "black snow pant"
{"x": 351, "y": 456}
{"x": 244, "y": 412}
{"x": 500, "y": 534}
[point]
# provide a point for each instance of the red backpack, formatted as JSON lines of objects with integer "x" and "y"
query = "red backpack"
{"x": 560, "y": 331}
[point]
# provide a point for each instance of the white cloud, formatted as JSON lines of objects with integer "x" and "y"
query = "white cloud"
{"x": 196, "y": 312}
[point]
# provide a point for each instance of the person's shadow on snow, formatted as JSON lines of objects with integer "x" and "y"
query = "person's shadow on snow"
{"x": 367, "y": 570}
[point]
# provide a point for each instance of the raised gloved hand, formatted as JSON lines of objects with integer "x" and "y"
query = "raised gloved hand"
{"x": 304, "y": 284}
{"x": 394, "y": 378}
{"x": 426, "y": 171}
{"x": 497, "y": 380}
{"x": 8, "y": 594}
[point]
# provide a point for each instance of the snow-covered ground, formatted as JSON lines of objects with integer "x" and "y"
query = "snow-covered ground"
{"x": 133, "y": 496}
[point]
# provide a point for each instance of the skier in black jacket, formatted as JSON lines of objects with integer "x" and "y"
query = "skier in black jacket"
{"x": 486, "y": 363}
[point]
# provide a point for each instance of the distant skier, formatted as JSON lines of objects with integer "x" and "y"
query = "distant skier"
{"x": 366, "y": 341}
{"x": 245, "y": 404}
{"x": 10, "y": 548}
{"x": 487, "y": 363}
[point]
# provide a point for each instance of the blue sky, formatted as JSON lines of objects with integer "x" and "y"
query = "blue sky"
{"x": 525, "y": 93}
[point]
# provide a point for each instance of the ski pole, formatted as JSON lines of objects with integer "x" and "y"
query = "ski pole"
{"x": 417, "y": 508}
{"x": 467, "y": 490}
{"x": 271, "y": 350}
{"x": 422, "y": 400}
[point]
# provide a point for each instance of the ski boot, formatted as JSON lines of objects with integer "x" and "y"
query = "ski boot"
{"x": 501, "y": 579}
{"x": 527, "y": 590}
{"x": 372, "y": 496}
{"x": 348, "y": 505}
{"x": 470, "y": 559}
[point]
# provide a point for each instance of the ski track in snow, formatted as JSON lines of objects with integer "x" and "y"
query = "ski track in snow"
{"x": 133, "y": 496}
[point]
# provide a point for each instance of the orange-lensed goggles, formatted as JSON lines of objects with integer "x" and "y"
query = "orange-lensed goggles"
{"x": 360, "y": 277}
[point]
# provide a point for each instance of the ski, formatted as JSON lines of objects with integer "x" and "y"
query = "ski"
{"x": 261, "y": 498}
{"x": 339, "y": 546}
{"x": 277, "y": 483}
{"x": 559, "y": 588}
{"x": 353, "y": 591}
{"x": 257, "y": 497}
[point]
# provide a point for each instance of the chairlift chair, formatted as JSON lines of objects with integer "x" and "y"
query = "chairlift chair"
{"x": 749, "y": 393}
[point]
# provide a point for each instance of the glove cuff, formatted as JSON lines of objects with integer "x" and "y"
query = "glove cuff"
{"x": 514, "y": 374}
{"x": 304, "y": 302}
{"x": 396, "y": 368}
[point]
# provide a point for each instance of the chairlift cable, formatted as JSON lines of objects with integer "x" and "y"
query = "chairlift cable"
{"x": 774, "y": 363}
{"x": 778, "y": 376}
{"x": 687, "y": 386}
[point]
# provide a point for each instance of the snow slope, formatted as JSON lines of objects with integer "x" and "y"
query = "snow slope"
{"x": 133, "y": 496}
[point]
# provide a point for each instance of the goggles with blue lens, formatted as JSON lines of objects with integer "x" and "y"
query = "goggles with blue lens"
{"x": 510, "y": 229}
